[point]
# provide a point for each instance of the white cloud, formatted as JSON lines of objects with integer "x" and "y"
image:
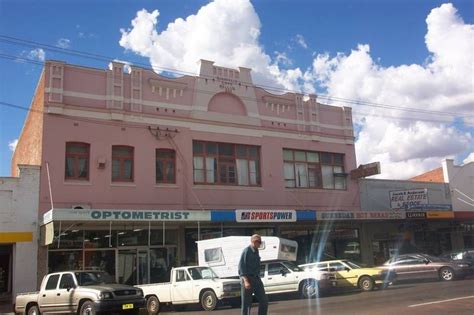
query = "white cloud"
{"x": 63, "y": 43}
{"x": 36, "y": 54}
{"x": 226, "y": 32}
{"x": 469, "y": 158}
{"x": 407, "y": 142}
{"x": 12, "y": 145}
{"x": 301, "y": 41}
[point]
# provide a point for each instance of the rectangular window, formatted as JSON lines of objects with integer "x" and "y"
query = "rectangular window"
{"x": 77, "y": 161}
{"x": 165, "y": 166}
{"x": 213, "y": 255}
{"x": 226, "y": 164}
{"x": 52, "y": 282}
{"x": 305, "y": 169}
{"x": 122, "y": 163}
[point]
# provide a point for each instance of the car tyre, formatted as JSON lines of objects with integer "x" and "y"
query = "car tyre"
{"x": 366, "y": 283}
{"x": 34, "y": 310}
{"x": 152, "y": 305}
{"x": 208, "y": 300}
{"x": 309, "y": 289}
{"x": 87, "y": 308}
{"x": 446, "y": 274}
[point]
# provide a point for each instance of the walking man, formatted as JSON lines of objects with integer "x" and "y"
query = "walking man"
{"x": 249, "y": 272}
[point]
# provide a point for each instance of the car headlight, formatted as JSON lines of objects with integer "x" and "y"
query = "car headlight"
{"x": 105, "y": 295}
{"x": 463, "y": 265}
{"x": 139, "y": 292}
{"x": 325, "y": 276}
{"x": 227, "y": 288}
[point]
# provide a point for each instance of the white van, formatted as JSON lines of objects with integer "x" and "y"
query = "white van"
{"x": 223, "y": 253}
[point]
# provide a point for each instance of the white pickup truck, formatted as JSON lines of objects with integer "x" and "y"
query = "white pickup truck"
{"x": 189, "y": 285}
{"x": 80, "y": 292}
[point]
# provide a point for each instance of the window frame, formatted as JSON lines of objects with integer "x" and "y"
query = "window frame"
{"x": 229, "y": 162}
{"x": 165, "y": 161}
{"x": 122, "y": 161}
{"x": 76, "y": 160}
{"x": 324, "y": 160}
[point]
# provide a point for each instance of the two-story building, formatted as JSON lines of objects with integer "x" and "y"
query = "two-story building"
{"x": 136, "y": 166}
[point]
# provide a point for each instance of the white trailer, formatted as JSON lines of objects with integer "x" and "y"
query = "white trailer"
{"x": 223, "y": 254}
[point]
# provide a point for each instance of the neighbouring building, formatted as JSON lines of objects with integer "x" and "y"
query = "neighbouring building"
{"x": 138, "y": 166}
{"x": 18, "y": 232}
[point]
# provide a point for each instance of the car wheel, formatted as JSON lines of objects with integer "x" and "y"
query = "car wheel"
{"x": 208, "y": 300}
{"x": 366, "y": 283}
{"x": 309, "y": 289}
{"x": 152, "y": 305}
{"x": 87, "y": 308}
{"x": 34, "y": 310}
{"x": 446, "y": 274}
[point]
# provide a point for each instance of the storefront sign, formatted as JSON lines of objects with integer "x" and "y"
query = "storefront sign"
{"x": 265, "y": 215}
{"x": 406, "y": 199}
{"x": 416, "y": 215}
{"x": 439, "y": 214}
{"x": 379, "y": 215}
{"x": 360, "y": 215}
{"x": 365, "y": 170}
{"x": 126, "y": 215}
{"x": 431, "y": 207}
{"x": 335, "y": 215}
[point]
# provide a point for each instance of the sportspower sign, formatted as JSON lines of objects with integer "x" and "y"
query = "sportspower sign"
{"x": 265, "y": 215}
{"x": 125, "y": 215}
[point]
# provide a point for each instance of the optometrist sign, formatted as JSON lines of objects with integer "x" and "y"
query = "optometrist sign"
{"x": 244, "y": 215}
{"x": 129, "y": 215}
{"x": 407, "y": 199}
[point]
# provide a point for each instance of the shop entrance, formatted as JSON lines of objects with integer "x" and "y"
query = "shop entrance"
{"x": 5, "y": 270}
{"x": 145, "y": 265}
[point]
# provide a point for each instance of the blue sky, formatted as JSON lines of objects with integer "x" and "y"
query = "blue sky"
{"x": 398, "y": 54}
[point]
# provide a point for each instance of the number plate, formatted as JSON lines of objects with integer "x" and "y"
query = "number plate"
{"x": 127, "y": 306}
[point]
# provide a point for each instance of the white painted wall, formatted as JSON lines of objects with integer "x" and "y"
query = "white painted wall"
{"x": 461, "y": 183}
{"x": 19, "y": 198}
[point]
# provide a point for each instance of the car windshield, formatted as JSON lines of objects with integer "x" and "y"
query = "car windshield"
{"x": 292, "y": 266}
{"x": 434, "y": 259}
{"x": 198, "y": 273}
{"x": 86, "y": 278}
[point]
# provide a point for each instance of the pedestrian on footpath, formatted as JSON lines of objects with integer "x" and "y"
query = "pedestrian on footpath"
{"x": 249, "y": 272}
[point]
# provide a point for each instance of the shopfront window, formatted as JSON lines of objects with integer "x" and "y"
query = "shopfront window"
{"x": 65, "y": 260}
{"x": 103, "y": 260}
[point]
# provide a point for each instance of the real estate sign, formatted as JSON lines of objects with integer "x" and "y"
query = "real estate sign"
{"x": 407, "y": 199}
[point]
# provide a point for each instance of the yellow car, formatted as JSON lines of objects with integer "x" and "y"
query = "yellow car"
{"x": 349, "y": 274}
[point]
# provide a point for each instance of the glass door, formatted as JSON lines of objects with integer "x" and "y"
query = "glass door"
{"x": 143, "y": 267}
{"x": 127, "y": 266}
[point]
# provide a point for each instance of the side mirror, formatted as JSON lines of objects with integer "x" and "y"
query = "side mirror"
{"x": 426, "y": 261}
{"x": 347, "y": 269}
{"x": 283, "y": 272}
{"x": 71, "y": 286}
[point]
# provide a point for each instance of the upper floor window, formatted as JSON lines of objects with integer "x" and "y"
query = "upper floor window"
{"x": 165, "y": 166}
{"x": 122, "y": 163}
{"x": 77, "y": 160}
{"x": 306, "y": 169}
{"x": 226, "y": 164}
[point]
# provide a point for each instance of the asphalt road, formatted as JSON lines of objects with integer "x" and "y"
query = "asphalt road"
{"x": 432, "y": 298}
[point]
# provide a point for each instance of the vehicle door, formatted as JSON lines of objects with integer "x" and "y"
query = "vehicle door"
{"x": 47, "y": 296}
{"x": 423, "y": 268}
{"x": 402, "y": 266}
{"x": 182, "y": 287}
{"x": 279, "y": 278}
{"x": 65, "y": 293}
{"x": 343, "y": 276}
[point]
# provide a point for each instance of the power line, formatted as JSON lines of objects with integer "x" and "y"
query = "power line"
{"x": 329, "y": 98}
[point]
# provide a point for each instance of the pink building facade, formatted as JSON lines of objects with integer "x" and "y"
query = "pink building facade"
{"x": 136, "y": 166}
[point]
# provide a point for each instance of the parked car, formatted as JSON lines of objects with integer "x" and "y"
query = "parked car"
{"x": 464, "y": 255}
{"x": 286, "y": 276}
{"x": 347, "y": 273}
{"x": 80, "y": 292}
{"x": 188, "y": 285}
{"x": 423, "y": 266}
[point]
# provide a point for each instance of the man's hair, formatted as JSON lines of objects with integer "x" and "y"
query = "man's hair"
{"x": 255, "y": 237}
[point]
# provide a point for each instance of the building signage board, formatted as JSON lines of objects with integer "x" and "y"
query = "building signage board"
{"x": 406, "y": 199}
{"x": 439, "y": 214}
{"x": 360, "y": 215}
{"x": 365, "y": 170}
{"x": 247, "y": 215}
{"x": 416, "y": 215}
{"x": 127, "y": 215}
